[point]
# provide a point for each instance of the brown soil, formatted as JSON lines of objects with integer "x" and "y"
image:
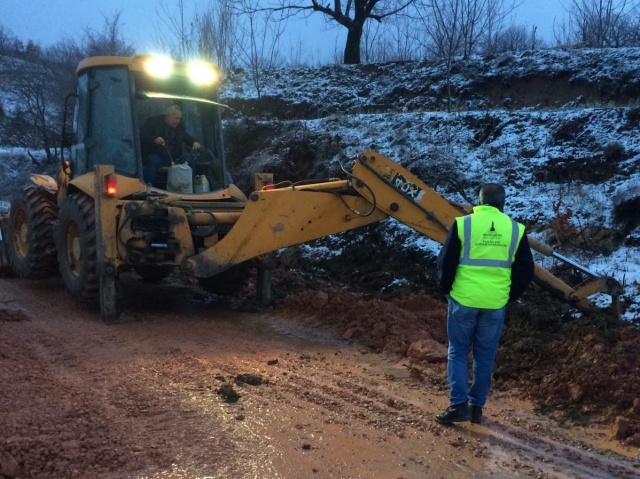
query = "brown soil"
{"x": 193, "y": 386}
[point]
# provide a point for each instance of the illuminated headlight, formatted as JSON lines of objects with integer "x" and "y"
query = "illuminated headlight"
{"x": 202, "y": 73}
{"x": 158, "y": 66}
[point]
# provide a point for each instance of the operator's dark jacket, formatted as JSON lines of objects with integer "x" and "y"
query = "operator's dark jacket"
{"x": 174, "y": 139}
{"x": 522, "y": 268}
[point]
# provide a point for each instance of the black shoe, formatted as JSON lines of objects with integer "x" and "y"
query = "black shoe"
{"x": 455, "y": 413}
{"x": 476, "y": 414}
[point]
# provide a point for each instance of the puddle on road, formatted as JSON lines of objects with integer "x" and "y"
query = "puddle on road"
{"x": 301, "y": 328}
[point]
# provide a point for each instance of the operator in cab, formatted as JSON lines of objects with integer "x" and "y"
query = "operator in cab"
{"x": 162, "y": 138}
{"x": 485, "y": 262}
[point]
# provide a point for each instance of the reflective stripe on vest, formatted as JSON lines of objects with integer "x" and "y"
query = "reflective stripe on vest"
{"x": 466, "y": 252}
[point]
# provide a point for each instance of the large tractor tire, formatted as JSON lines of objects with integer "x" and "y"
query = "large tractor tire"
{"x": 30, "y": 245}
{"x": 76, "y": 240}
{"x": 5, "y": 264}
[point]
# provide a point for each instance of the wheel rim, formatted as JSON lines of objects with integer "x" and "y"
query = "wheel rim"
{"x": 73, "y": 246}
{"x": 21, "y": 234}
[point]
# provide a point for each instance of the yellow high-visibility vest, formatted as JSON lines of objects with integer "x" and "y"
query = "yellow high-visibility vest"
{"x": 489, "y": 240}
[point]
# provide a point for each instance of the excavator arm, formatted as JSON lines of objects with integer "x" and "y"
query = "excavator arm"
{"x": 274, "y": 219}
{"x": 376, "y": 189}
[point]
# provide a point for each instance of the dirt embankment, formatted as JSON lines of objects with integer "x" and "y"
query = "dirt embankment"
{"x": 195, "y": 386}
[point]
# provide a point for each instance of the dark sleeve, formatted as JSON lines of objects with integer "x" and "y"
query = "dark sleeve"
{"x": 448, "y": 259}
{"x": 149, "y": 133}
{"x": 522, "y": 269}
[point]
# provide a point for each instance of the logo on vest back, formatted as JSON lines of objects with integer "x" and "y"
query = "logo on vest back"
{"x": 492, "y": 238}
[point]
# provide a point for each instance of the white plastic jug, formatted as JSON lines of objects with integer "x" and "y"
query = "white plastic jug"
{"x": 179, "y": 179}
{"x": 201, "y": 184}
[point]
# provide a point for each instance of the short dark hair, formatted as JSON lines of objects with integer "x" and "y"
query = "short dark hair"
{"x": 492, "y": 194}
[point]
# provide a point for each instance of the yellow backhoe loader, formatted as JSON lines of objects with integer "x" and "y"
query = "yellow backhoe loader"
{"x": 100, "y": 217}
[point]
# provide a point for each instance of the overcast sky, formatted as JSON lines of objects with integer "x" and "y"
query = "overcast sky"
{"x": 48, "y": 21}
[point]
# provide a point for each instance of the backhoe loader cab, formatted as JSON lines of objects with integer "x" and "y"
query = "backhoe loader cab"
{"x": 117, "y": 96}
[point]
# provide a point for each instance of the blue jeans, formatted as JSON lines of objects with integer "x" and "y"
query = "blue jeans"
{"x": 153, "y": 163}
{"x": 479, "y": 329}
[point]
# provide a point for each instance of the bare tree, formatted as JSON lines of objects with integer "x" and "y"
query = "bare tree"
{"x": 109, "y": 40}
{"x": 216, "y": 30}
{"x": 513, "y": 39}
{"x": 396, "y": 41}
{"x": 42, "y": 82}
{"x": 6, "y": 38}
{"x": 258, "y": 41}
{"x": 352, "y": 15}
{"x": 370, "y": 45}
{"x": 297, "y": 56}
{"x": 31, "y": 81}
{"x": 473, "y": 24}
{"x": 12, "y": 46}
{"x": 602, "y": 23}
{"x": 209, "y": 34}
{"x": 632, "y": 29}
{"x": 480, "y": 21}
{"x": 178, "y": 34}
{"x": 563, "y": 33}
{"x": 441, "y": 21}
{"x": 9, "y": 43}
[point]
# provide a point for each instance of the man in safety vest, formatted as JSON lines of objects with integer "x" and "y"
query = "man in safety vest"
{"x": 485, "y": 263}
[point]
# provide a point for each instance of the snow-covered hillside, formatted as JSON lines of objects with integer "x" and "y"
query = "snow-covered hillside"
{"x": 569, "y": 154}
{"x": 535, "y": 79}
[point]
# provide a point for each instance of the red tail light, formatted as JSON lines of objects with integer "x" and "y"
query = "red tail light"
{"x": 110, "y": 187}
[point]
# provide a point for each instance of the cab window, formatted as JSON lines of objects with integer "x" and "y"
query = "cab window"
{"x": 108, "y": 134}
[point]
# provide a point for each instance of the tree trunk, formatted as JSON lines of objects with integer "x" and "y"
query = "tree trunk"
{"x": 352, "y": 47}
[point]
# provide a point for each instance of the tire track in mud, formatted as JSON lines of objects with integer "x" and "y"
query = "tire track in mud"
{"x": 359, "y": 402}
{"x": 555, "y": 456}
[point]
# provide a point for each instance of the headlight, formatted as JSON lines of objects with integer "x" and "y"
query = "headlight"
{"x": 202, "y": 73}
{"x": 158, "y": 66}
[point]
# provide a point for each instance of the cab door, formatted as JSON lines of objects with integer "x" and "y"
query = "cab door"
{"x": 103, "y": 123}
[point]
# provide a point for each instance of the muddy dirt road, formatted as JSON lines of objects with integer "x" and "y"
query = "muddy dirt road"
{"x": 191, "y": 387}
